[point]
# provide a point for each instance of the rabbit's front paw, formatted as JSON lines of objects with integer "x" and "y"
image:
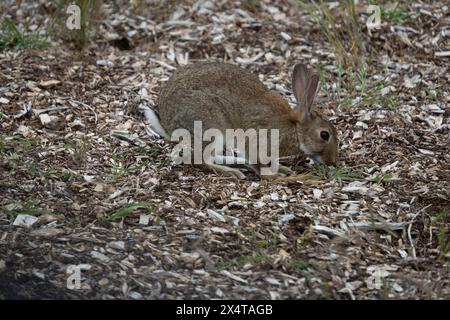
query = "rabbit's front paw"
{"x": 285, "y": 170}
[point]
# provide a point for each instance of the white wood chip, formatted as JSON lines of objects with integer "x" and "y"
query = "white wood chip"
{"x": 234, "y": 277}
{"x": 24, "y": 220}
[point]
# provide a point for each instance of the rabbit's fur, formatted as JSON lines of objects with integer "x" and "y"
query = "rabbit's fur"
{"x": 224, "y": 96}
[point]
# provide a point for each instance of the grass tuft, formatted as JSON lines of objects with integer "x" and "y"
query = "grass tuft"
{"x": 443, "y": 236}
{"x": 340, "y": 28}
{"x": 240, "y": 261}
{"x": 89, "y": 14}
{"x": 29, "y": 209}
{"x": 300, "y": 265}
{"x": 395, "y": 13}
{"x": 11, "y": 36}
{"x": 128, "y": 209}
{"x": 335, "y": 173}
{"x": 384, "y": 177}
{"x": 343, "y": 30}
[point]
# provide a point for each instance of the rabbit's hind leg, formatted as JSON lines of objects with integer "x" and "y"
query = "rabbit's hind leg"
{"x": 236, "y": 161}
{"x": 226, "y": 170}
{"x": 221, "y": 163}
{"x": 264, "y": 171}
{"x": 285, "y": 170}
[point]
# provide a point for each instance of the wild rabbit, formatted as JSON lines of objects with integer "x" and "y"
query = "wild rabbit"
{"x": 224, "y": 96}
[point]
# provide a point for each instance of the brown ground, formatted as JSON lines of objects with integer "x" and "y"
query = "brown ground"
{"x": 210, "y": 236}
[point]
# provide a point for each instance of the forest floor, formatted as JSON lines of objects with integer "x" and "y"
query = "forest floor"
{"x": 75, "y": 153}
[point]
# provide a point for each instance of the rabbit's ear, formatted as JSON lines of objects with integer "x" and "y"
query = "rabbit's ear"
{"x": 305, "y": 86}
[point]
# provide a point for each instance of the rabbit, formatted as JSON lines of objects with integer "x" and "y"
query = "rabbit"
{"x": 225, "y": 96}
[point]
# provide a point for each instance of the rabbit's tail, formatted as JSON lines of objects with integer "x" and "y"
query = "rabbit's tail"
{"x": 153, "y": 120}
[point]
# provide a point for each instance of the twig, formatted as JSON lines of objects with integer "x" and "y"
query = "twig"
{"x": 391, "y": 226}
{"x": 323, "y": 229}
{"x": 89, "y": 107}
{"x": 409, "y": 230}
{"x": 39, "y": 111}
{"x": 168, "y": 66}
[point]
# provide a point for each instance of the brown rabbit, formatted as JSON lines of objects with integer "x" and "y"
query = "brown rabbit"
{"x": 224, "y": 96}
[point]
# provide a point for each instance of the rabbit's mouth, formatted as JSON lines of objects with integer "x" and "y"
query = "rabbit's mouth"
{"x": 318, "y": 159}
{"x": 309, "y": 153}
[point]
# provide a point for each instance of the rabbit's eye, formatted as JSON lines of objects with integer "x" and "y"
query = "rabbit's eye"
{"x": 324, "y": 135}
